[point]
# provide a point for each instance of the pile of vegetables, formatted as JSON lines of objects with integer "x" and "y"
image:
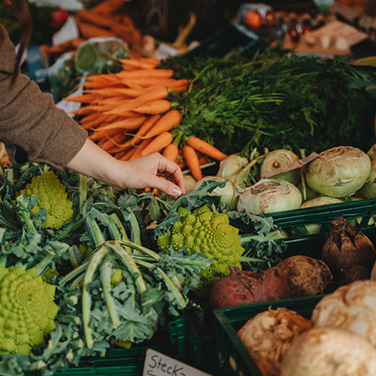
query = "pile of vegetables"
{"x": 78, "y": 265}
{"x": 103, "y": 267}
{"x": 337, "y": 339}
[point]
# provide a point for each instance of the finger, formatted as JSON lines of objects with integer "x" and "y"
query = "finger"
{"x": 172, "y": 168}
{"x": 165, "y": 185}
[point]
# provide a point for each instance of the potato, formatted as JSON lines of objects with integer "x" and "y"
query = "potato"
{"x": 306, "y": 276}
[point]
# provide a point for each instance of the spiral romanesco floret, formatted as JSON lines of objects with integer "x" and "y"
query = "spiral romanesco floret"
{"x": 52, "y": 197}
{"x": 27, "y": 310}
{"x": 203, "y": 231}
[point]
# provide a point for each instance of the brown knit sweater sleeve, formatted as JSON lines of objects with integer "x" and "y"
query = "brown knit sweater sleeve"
{"x": 29, "y": 118}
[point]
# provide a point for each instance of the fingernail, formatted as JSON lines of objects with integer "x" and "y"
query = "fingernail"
{"x": 177, "y": 192}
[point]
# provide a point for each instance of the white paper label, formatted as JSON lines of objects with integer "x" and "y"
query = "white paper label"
{"x": 157, "y": 364}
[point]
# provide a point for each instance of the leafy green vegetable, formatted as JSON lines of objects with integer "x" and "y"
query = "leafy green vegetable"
{"x": 277, "y": 99}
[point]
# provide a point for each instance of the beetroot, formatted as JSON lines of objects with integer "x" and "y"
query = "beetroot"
{"x": 244, "y": 287}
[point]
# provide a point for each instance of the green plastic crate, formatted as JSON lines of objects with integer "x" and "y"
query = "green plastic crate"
{"x": 311, "y": 245}
{"x": 130, "y": 362}
{"x": 229, "y": 321}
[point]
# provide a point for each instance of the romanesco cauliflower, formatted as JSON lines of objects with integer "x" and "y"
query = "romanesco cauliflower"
{"x": 52, "y": 197}
{"x": 27, "y": 310}
{"x": 203, "y": 231}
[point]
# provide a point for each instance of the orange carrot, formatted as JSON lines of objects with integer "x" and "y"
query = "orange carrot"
{"x": 108, "y": 6}
{"x": 158, "y": 143}
{"x": 143, "y": 99}
{"x": 99, "y": 121}
{"x": 140, "y": 148}
{"x": 167, "y": 122}
{"x": 171, "y": 152}
{"x": 206, "y": 148}
{"x": 145, "y": 82}
{"x": 85, "y": 98}
{"x": 192, "y": 161}
{"x": 91, "y": 117}
{"x": 128, "y": 154}
{"x": 149, "y": 123}
{"x": 154, "y": 107}
{"x": 203, "y": 160}
{"x": 146, "y": 73}
{"x": 127, "y": 124}
{"x": 103, "y": 134}
{"x": 136, "y": 63}
{"x": 114, "y": 141}
{"x": 151, "y": 61}
{"x": 132, "y": 93}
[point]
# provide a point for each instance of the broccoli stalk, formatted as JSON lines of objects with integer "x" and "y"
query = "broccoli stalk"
{"x": 106, "y": 274}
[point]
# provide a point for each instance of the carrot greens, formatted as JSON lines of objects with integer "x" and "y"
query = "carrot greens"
{"x": 277, "y": 99}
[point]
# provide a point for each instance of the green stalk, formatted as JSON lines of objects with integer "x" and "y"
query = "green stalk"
{"x": 94, "y": 231}
{"x": 74, "y": 273}
{"x": 83, "y": 190}
{"x": 106, "y": 274}
{"x": 118, "y": 223}
{"x": 167, "y": 280}
{"x": 141, "y": 249}
{"x": 86, "y": 296}
{"x": 77, "y": 281}
{"x": 129, "y": 263}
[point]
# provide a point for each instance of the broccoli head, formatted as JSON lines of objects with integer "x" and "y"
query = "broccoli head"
{"x": 52, "y": 197}
{"x": 203, "y": 231}
{"x": 27, "y": 310}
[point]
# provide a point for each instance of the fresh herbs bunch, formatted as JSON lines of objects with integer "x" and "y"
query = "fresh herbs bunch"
{"x": 277, "y": 99}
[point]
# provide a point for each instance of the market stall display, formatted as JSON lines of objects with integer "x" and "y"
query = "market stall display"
{"x": 277, "y": 148}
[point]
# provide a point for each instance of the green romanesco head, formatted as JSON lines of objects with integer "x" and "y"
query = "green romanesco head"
{"x": 203, "y": 231}
{"x": 52, "y": 197}
{"x": 27, "y": 310}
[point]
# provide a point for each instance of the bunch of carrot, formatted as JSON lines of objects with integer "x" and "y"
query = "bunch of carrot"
{"x": 103, "y": 20}
{"x": 130, "y": 114}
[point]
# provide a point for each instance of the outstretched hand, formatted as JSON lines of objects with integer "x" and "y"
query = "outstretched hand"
{"x": 154, "y": 170}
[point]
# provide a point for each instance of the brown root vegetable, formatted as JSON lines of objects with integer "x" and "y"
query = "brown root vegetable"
{"x": 351, "y": 307}
{"x": 306, "y": 276}
{"x": 244, "y": 287}
{"x": 329, "y": 352}
{"x": 269, "y": 335}
{"x": 346, "y": 246}
{"x": 355, "y": 273}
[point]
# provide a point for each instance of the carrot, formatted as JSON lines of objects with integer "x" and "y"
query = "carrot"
{"x": 127, "y": 123}
{"x": 158, "y": 143}
{"x": 171, "y": 152}
{"x": 136, "y": 63}
{"x": 128, "y": 91}
{"x": 109, "y": 6}
{"x": 140, "y": 148}
{"x": 120, "y": 154}
{"x": 143, "y": 99}
{"x": 151, "y": 61}
{"x": 95, "y": 84}
{"x": 203, "y": 160}
{"x": 128, "y": 154}
{"x": 94, "y": 18}
{"x": 206, "y": 148}
{"x": 88, "y": 30}
{"x": 91, "y": 117}
{"x": 167, "y": 122}
{"x": 85, "y": 98}
{"x": 114, "y": 141}
{"x": 154, "y": 107}
{"x": 103, "y": 134}
{"x": 144, "y": 129}
{"x": 192, "y": 161}
{"x": 147, "y": 73}
{"x": 145, "y": 82}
